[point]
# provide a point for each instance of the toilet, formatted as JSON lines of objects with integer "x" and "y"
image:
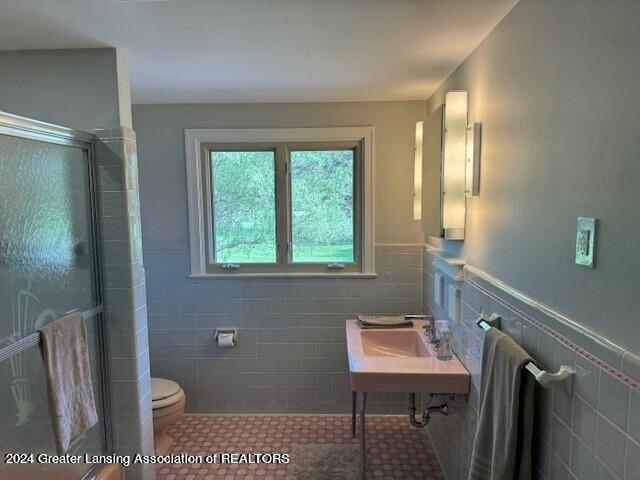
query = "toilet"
{"x": 167, "y": 400}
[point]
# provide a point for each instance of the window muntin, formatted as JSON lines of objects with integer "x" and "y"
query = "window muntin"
{"x": 243, "y": 203}
{"x": 323, "y": 206}
{"x": 283, "y": 244}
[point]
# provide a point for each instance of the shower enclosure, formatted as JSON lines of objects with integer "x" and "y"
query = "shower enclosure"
{"x": 49, "y": 267}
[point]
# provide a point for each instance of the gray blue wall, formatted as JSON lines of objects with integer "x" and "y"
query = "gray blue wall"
{"x": 556, "y": 88}
{"x": 77, "y": 88}
{"x": 292, "y": 353}
{"x": 160, "y": 130}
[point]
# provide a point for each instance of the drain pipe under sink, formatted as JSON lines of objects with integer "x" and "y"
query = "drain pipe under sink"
{"x": 426, "y": 415}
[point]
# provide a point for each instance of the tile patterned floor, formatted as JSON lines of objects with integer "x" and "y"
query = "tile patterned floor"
{"x": 395, "y": 448}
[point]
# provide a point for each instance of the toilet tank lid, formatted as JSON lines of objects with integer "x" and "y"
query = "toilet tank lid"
{"x": 163, "y": 388}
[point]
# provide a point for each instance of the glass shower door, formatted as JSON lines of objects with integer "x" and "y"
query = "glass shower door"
{"x": 48, "y": 268}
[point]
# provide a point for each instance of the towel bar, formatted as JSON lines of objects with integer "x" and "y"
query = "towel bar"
{"x": 564, "y": 375}
{"x": 33, "y": 339}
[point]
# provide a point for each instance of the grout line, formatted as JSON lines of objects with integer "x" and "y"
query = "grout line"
{"x": 561, "y": 461}
{"x": 626, "y": 451}
{"x": 598, "y": 410}
{"x": 606, "y": 467}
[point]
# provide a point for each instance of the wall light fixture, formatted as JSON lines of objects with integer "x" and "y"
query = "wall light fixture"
{"x": 454, "y": 153}
{"x": 472, "y": 169}
{"x": 417, "y": 173}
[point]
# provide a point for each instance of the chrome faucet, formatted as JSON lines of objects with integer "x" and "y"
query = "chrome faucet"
{"x": 429, "y": 327}
{"x": 430, "y": 330}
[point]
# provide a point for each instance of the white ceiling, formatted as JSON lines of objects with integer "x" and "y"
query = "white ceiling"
{"x": 199, "y": 51}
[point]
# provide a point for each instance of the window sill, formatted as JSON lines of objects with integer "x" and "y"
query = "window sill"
{"x": 285, "y": 275}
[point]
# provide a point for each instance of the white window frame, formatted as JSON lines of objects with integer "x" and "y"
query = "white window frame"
{"x": 194, "y": 138}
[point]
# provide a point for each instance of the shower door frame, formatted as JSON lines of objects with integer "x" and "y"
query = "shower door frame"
{"x": 27, "y": 128}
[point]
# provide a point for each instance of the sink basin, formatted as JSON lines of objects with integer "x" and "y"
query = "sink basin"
{"x": 400, "y": 360}
{"x": 393, "y": 343}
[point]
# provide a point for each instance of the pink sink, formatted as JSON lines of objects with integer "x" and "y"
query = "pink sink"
{"x": 400, "y": 360}
{"x": 393, "y": 343}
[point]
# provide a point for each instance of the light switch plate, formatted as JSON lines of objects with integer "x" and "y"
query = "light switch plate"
{"x": 586, "y": 242}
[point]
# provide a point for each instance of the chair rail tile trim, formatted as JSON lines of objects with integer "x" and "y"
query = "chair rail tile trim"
{"x": 561, "y": 338}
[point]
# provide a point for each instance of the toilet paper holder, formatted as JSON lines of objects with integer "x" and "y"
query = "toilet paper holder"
{"x": 226, "y": 331}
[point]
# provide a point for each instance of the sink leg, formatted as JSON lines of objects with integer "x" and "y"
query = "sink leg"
{"x": 363, "y": 443}
{"x": 354, "y": 400}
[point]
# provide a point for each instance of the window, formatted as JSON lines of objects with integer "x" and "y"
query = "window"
{"x": 324, "y": 202}
{"x": 282, "y": 207}
{"x": 284, "y": 204}
{"x": 243, "y": 207}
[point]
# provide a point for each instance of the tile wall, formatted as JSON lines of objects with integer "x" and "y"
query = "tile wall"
{"x": 291, "y": 356}
{"x": 592, "y": 434}
{"x": 124, "y": 299}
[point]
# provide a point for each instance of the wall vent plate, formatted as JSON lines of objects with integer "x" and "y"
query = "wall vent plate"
{"x": 453, "y": 304}
{"x": 438, "y": 289}
{"x": 586, "y": 242}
